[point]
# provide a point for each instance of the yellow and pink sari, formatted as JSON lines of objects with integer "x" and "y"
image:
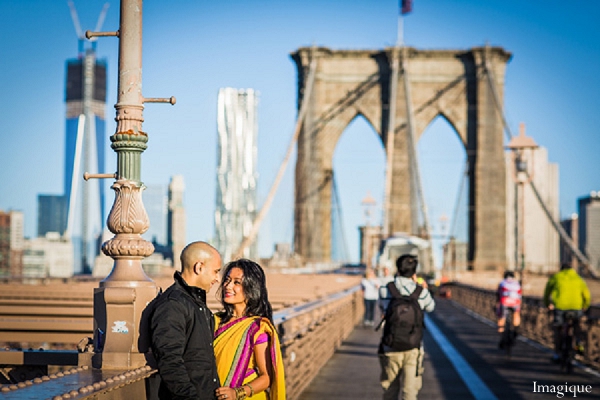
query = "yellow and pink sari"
{"x": 234, "y": 350}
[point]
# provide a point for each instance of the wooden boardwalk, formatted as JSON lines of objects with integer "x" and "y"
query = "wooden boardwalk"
{"x": 353, "y": 372}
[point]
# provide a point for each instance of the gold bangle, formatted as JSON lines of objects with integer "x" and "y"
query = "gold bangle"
{"x": 251, "y": 389}
{"x": 240, "y": 393}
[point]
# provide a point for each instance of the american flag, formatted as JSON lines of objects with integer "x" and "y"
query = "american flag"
{"x": 405, "y": 6}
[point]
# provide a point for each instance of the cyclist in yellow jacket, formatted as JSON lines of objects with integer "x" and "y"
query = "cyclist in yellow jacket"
{"x": 565, "y": 291}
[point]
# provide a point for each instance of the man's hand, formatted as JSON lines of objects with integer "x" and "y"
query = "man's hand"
{"x": 550, "y": 306}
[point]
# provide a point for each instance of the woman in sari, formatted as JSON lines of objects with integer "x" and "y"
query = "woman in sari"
{"x": 246, "y": 343}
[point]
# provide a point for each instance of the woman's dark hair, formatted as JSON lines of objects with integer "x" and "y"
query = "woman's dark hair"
{"x": 254, "y": 284}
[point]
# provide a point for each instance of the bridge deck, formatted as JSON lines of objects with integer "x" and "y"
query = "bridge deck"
{"x": 353, "y": 372}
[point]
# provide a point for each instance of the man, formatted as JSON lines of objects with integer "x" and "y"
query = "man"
{"x": 406, "y": 364}
{"x": 565, "y": 291}
{"x": 181, "y": 328}
{"x": 508, "y": 295}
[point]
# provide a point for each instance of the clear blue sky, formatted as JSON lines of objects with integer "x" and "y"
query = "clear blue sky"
{"x": 192, "y": 48}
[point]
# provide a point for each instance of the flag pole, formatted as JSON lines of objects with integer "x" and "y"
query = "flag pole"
{"x": 400, "y": 35}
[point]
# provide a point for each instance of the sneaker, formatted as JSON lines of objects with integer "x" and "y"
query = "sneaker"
{"x": 555, "y": 359}
{"x": 579, "y": 349}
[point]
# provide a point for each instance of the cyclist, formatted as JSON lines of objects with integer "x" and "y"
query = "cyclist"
{"x": 508, "y": 295}
{"x": 566, "y": 291}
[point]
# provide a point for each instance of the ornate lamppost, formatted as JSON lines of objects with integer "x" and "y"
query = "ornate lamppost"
{"x": 522, "y": 150}
{"x": 123, "y": 295}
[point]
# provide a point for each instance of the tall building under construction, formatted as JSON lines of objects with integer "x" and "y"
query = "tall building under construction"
{"x": 85, "y": 98}
{"x": 237, "y": 174}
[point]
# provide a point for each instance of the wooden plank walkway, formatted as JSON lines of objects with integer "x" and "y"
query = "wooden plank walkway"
{"x": 353, "y": 372}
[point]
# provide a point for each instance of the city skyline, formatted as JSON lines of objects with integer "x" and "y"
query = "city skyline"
{"x": 193, "y": 48}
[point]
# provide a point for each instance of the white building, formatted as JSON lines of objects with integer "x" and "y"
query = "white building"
{"x": 540, "y": 239}
{"x": 589, "y": 228}
{"x": 50, "y": 256}
{"x": 237, "y": 174}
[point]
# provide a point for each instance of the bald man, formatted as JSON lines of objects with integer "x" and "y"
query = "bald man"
{"x": 181, "y": 328}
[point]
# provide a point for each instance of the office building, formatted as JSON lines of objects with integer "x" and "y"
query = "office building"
{"x": 589, "y": 228}
{"x": 176, "y": 220}
{"x": 11, "y": 243}
{"x": 156, "y": 203}
{"x": 48, "y": 257}
{"x": 237, "y": 125}
{"x": 571, "y": 227}
{"x": 52, "y": 214}
{"x": 535, "y": 232}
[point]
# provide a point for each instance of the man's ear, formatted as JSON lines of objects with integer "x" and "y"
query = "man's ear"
{"x": 198, "y": 267}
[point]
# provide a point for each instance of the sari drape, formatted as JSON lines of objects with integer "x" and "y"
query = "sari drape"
{"x": 234, "y": 350}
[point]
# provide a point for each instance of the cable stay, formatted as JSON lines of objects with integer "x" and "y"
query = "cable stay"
{"x": 459, "y": 201}
{"x": 562, "y": 233}
{"x": 249, "y": 239}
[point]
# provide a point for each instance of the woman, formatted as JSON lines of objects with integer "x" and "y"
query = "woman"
{"x": 246, "y": 343}
{"x": 370, "y": 289}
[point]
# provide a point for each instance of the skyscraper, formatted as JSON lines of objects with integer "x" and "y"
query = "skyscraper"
{"x": 156, "y": 203}
{"x": 176, "y": 219}
{"x": 85, "y": 142}
{"x": 237, "y": 174}
{"x": 11, "y": 243}
{"x": 52, "y": 214}
{"x": 532, "y": 229}
{"x": 589, "y": 228}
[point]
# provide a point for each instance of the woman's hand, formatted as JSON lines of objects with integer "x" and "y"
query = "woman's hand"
{"x": 226, "y": 393}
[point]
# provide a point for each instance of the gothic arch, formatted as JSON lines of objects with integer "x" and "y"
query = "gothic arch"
{"x": 453, "y": 84}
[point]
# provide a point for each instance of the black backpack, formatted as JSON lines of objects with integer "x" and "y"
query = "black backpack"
{"x": 404, "y": 320}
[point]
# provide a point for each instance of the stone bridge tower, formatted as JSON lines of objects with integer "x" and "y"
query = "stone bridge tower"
{"x": 465, "y": 87}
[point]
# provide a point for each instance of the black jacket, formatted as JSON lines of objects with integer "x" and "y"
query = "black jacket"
{"x": 181, "y": 330}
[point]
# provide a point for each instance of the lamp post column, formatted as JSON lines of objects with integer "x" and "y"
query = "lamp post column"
{"x": 124, "y": 293}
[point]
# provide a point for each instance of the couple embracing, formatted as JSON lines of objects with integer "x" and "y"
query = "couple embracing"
{"x": 232, "y": 355}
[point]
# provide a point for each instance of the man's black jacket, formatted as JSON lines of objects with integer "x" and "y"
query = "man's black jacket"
{"x": 181, "y": 330}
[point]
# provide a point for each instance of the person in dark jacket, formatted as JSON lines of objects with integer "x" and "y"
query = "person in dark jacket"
{"x": 181, "y": 328}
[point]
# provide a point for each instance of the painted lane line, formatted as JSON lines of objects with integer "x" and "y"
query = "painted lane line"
{"x": 475, "y": 385}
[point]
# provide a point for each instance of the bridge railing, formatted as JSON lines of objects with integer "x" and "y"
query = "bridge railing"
{"x": 310, "y": 333}
{"x": 535, "y": 318}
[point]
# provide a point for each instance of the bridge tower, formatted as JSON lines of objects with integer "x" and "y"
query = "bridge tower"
{"x": 458, "y": 85}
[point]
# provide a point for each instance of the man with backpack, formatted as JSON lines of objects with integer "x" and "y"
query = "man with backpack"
{"x": 403, "y": 303}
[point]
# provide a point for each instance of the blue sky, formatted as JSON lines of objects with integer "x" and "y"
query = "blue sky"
{"x": 194, "y": 47}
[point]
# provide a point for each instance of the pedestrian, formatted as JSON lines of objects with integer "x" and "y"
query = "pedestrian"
{"x": 181, "y": 328}
{"x": 401, "y": 349}
{"x": 247, "y": 347}
{"x": 370, "y": 289}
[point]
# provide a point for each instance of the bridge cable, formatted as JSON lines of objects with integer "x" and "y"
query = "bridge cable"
{"x": 390, "y": 143}
{"x": 562, "y": 233}
{"x": 299, "y": 122}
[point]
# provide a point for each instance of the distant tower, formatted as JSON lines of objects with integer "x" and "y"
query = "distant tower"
{"x": 541, "y": 240}
{"x": 237, "y": 126}
{"x": 176, "y": 219}
{"x": 589, "y": 228}
{"x": 52, "y": 214}
{"x": 11, "y": 243}
{"x": 156, "y": 203}
{"x": 85, "y": 98}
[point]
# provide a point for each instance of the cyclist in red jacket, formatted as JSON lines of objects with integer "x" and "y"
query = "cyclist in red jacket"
{"x": 508, "y": 296}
